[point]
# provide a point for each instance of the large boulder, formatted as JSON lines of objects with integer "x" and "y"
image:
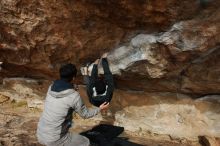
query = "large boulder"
{"x": 169, "y": 44}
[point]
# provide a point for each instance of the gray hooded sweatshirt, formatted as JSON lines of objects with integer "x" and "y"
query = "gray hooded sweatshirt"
{"x": 56, "y": 118}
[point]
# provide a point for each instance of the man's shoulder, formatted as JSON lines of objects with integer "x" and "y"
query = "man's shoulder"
{"x": 75, "y": 95}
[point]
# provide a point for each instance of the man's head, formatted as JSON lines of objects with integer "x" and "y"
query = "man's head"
{"x": 100, "y": 86}
{"x": 68, "y": 72}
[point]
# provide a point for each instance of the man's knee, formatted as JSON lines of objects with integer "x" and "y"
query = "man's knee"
{"x": 78, "y": 140}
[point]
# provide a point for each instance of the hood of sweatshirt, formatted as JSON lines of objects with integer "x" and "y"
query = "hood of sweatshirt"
{"x": 61, "y": 88}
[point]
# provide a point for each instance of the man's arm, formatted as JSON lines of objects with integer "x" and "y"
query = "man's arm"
{"x": 94, "y": 72}
{"x": 84, "y": 112}
{"x": 108, "y": 79}
{"x": 105, "y": 66}
{"x": 89, "y": 85}
{"x": 94, "y": 76}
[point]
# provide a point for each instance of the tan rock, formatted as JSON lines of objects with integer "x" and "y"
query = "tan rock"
{"x": 208, "y": 141}
{"x": 4, "y": 98}
{"x": 35, "y": 103}
{"x": 22, "y": 89}
{"x": 160, "y": 41}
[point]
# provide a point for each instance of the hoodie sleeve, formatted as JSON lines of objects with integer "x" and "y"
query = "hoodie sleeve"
{"x": 82, "y": 110}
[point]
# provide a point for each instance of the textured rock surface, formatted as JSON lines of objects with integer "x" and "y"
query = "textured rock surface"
{"x": 188, "y": 120}
{"x": 158, "y": 116}
{"x": 36, "y": 37}
{"x": 165, "y": 56}
{"x": 209, "y": 141}
{"x": 19, "y": 120}
{"x": 187, "y": 55}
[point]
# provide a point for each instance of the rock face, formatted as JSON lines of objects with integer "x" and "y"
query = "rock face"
{"x": 157, "y": 116}
{"x": 178, "y": 53}
{"x": 189, "y": 121}
{"x": 173, "y": 41}
{"x": 165, "y": 57}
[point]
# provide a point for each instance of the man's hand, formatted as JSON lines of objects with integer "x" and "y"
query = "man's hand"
{"x": 104, "y": 55}
{"x": 104, "y": 106}
{"x": 97, "y": 61}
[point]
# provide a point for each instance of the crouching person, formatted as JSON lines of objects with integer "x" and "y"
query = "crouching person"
{"x": 60, "y": 104}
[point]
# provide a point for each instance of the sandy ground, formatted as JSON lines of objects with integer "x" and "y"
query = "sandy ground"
{"x": 18, "y": 128}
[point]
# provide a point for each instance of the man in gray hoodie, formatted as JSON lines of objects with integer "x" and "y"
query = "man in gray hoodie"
{"x": 62, "y": 101}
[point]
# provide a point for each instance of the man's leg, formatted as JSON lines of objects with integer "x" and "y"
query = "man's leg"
{"x": 77, "y": 140}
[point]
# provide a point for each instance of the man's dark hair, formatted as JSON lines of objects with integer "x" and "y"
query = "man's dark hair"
{"x": 68, "y": 71}
{"x": 100, "y": 86}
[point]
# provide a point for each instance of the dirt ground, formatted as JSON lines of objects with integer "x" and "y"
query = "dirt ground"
{"x": 18, "y": 125}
